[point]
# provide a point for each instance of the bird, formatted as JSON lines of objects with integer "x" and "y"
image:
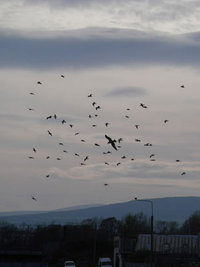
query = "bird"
{"x": 30, "y": 109}
{"x": 58, "y": 158}
{"x": 82, "y": 163}
{"x": 118, "y": 163}
{"x": 143, "y": 105}
{"x": 183, "y": 173}
{"x": 71, "y": 125}
{"x": 90, "y": 116}
{"x": 165, "y": 121}
{"x": 49, "y": 133}
{"x": 177, "y": 160}
{"x": 123, "y": 157}
{"x": 34, "y": 150}
{"x": 31, "y": 93}
{"x": 55, "y": 116}
{"x": 30, "y": 157}
{"x": 82, "y": 140}
{"x": 119, "y": 140}
{"x": 76, "y": 154}
{"x": 47, "y": 157}
{"x": 152, "y": 155}
{"x": 65, "y": 151}
{"x": 47, "y": 175}
{"x": 137, "y": 126}
{"x": 62, "y": 76}
{"x": 98, "y": 107}
{"x": 105, "y": 184}
{"x": 128, "y": 109}
{"x": 63, "y": 121}
{"x": 61, "y": 144}
{"x": 106, "y": 163}
{"x": 111, "y": 141}
{"x": 48, "y": 117}
{"x": 94, "y": 125}
{"x": 86, "y": 158}
{"x": 93, "y": 103}
{"x": 127, "y": 117}
{"x": 96, "y": 144}
{"x": 76, "y": 133}
{"x": 39, "y": 82}
{"x": 182, "y": 86}
{"x": 90, "y": 95}
{"x": 106, "y": 124}
{"x": 34, "y": 198}
{"x": 132, "y": 159}
{"x": 137, "y": 140}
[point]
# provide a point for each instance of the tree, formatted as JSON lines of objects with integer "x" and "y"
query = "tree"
{"x": 135, "y": 224}
{"x": 192, "y": 224}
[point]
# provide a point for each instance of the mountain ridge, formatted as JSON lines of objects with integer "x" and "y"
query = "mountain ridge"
{"x": 167, "y": 209}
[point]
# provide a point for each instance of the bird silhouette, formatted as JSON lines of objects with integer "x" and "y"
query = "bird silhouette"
{"x": 118, "y": 163}
{"x": 105, "y": 184}
{"x": 165, "y": 121}
{"x": 31, "y": 93}
{"x": 182, "y": 86}
{"x": 119, "y": 140}
{"x": 47, "y": 175}
{"x": 30, "y": 157}
{"x": 63, "y": 121}
{"x": 61, "y": 144}
{"x": 55, "y": 116}
{"x": 137, "y": 126}
{"x": 93, "y": 103}
{"x": 111, "y": 141}
{"x": 98, "y": 107}
{"x": 49, "y": 133}
{"x": 34, "y": 198}
{"x": 34, "y": 150}
{"x": 143, "y": 105}
{"x": 47, "y": 157}
{"x": 62, "y": 76}
{"x": 183, "y": 173}
{"x": 48, "y": 117}
{"x": 71, "y": 125}
{"x": 90, "y": 95}
{"x": 152, "y": 155}
{"x": 86, "y": 158}
{"x": 106, "y": 124}
{"x": 137, "y": 140}
{"x": 65, "y": 151}
{"x": 96, "y": 144}
{"x": 39, "y": 82}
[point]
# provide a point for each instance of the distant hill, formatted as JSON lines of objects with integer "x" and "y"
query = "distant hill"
{"x": 168, "y": 209}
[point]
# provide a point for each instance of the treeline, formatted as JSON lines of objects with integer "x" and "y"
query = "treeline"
{"x": 88, "y": 240}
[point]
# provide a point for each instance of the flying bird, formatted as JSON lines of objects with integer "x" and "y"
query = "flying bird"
{"x": 182, "y": 86}
{"x": 55, "y": 116}
{"x": 165, "y": 121}
{"x": 34, "y": 150}
{"x": 105, "y": 184}
{"x": 63, "y": 121}
{"x": 34, "y": 198}
{"x": 96, "y": 144}
{"x": 30, "y": 157}
{"x": 62, "y": 76}
{"x": 61, "y": 144}
{"x": 49, "y": 133}
{"x": 90, "y": 95}
{"x": 31, "y": 94}
{"x": 47, "y": 175}
{"x": 106, "y": 124}
{"x": 119, "y": 140}
{"x": 93, "y": 103}
{"x": 183, "y": 173}
{"x": 137, "y": 126}
{"x": 111, "y": 141}
{"x": 48, "y": 117}
{"x": 137, "y": 140}
{"x": 152, "y": 155}
{"x": 98, "y": 107}
{"x": 86, "y": 158}
{"x": 143, "y": 105}
{"x": 39, "y": 82}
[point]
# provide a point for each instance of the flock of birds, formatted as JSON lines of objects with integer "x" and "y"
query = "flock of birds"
{"x": 113, "y": 144}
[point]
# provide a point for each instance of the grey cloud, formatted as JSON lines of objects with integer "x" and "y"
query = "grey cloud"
{"x": 74, "y": 52}
{"x": 126, "y": 91}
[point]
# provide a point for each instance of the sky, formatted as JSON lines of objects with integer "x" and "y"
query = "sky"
{"x": 113, "y": 56}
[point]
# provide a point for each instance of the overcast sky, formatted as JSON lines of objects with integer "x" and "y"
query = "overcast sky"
{"x": 124, "y": 53}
